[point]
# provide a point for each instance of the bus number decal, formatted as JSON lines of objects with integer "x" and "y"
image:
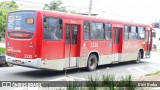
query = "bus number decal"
{"x": 93, "y": 44}
{"x": 27, "y": 56}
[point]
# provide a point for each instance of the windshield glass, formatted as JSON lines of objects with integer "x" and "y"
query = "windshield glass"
{"x": 21, "y": 21}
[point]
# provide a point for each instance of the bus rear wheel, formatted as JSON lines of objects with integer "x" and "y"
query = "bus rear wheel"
{"x": 92, "y": 62}
{"x": 138, "y": 57}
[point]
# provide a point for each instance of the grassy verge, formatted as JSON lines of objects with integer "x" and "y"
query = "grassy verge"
{"x": 157, "y": 73}
{"x": 106, "y": 82}
{"x": 109, "y": 82}
{"x": 2, "y": 50}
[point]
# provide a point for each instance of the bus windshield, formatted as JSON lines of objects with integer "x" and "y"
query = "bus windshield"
{"x": 21, "y": 21}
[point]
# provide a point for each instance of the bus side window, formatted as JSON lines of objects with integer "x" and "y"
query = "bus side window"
{"x": 108, "y": 31}
{"x": 133, "y": 32}
{"x": 45, "y": 23}
{"x": 97, "y": 31}
{"x": 52, "y": 28}
{"x": 74, "y": 34}
{"x": 126, "y": 32}
{"x": 86, "y": 31}
{"x": 141, "y": 33}
{"x": 129, "y": 33}
{"x": 45, "y": 28}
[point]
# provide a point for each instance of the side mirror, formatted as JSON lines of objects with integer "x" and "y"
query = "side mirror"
{"x": 154, "y": 34}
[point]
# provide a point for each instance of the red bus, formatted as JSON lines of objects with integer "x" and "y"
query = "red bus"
{"x": 59, "y": 41}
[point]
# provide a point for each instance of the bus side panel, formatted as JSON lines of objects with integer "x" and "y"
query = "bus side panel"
{"x": 105, "y": 52}
{"x": 52, "y": 54}
{"x": 103, "y": 48}
{"x": 131, "y": 49}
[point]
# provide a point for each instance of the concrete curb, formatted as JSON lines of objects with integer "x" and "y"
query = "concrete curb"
{"x": 157, "y": 88}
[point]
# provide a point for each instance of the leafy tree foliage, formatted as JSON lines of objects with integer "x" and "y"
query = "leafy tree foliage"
{"x": 5, "y": 7}
{"x": 55, "y": 5}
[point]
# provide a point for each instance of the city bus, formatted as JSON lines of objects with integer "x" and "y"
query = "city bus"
{"x": 58, "y": 41}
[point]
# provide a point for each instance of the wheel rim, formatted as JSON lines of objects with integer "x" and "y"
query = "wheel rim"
{"x": 92, "y": 63}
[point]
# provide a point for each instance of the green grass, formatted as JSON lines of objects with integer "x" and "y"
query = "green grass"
{"x": 2, "y": 50}
{"x": 157, "y": 73}
{"x": 108, "y": 82}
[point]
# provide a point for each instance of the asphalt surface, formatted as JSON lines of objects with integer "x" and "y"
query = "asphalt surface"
{"x": 19, "y": 73}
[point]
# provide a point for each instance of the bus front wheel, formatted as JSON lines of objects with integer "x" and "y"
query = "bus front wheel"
{"x": 92, "y": 62}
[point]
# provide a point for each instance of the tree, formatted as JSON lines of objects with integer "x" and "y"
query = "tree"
{"x": 55, "y": 5}
{"x": 5, "y": 7}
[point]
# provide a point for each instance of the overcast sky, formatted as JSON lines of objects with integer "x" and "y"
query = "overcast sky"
{"x": 146, "y": 11}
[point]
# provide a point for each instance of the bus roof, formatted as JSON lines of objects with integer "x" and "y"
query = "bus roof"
{"x": 82, "y": 17}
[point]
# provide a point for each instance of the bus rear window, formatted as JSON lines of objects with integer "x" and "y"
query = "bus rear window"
{"x": 21, "y": 21}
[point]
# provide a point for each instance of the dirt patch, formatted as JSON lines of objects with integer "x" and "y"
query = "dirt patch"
{"x": 147, "y": 78}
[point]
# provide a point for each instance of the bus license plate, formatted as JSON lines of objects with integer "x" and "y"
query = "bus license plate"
{"x": 18, "y": 61}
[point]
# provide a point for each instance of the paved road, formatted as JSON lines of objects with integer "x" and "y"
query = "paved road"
{"x": 19, "y": 73}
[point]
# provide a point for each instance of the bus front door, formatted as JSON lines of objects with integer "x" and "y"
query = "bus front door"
{"x": 117, "y": 44}
{"x": 71, "y": 45}
{"x": 149, "y": 45}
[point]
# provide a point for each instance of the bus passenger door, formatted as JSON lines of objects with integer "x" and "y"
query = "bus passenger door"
{"x": 149, "y": 45}
{"x": 117, "y": 44}
{"x": 71, "y": 45}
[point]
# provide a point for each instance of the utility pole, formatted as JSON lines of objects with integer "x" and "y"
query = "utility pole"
{"x": 90, "y": 8}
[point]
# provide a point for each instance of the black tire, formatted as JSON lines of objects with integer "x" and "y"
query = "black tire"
{"x": 138, "y": 57}
{"x": 1, "y": 65}
{"x": 92, "y": 62}
{"x": 9, "y": 64}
